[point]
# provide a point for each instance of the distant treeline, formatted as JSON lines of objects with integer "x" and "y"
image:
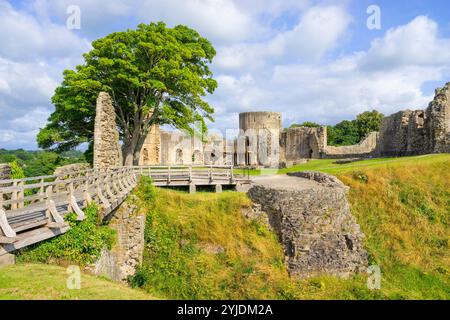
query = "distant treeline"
{"x": 349, "y": 132}
{"x": 38, "y": 163}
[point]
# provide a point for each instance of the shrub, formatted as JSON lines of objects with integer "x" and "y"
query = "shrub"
{"x": 82, "y": 244}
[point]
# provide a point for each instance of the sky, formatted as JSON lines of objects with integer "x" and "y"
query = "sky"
{"x": 310, "y": 60}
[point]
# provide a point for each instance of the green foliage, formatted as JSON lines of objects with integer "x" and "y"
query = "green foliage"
{"x": 307, "y": 124}
{"x": 145, "y": 190}
{"x": 345, "y": 133}
{"x": 81, "y": 244}
{"x": 360, "y": 176}
{"x": 352, "y": 132}
{"x": 38, "y": 163}
{"x": 401, "y": 206}
{"x": 154, "y": 74}
{"x": 367, "y": 122}
{"x": 16, "y": 170}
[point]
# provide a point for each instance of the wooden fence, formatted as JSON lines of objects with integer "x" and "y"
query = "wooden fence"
{"x": 33, "y": 209}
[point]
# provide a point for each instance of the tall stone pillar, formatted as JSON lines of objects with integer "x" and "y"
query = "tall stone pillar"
{"x": 107, "y": 151}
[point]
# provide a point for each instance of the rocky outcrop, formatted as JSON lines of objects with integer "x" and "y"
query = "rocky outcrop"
{"x": 71, "y": 168}
{"x": 5, "y": 171}
{"x": 127, "y": 253}
{"x": 310, "y": 213}
{"x": 107, "y": 152}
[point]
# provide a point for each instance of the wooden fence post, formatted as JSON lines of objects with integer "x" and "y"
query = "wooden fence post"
{"x": 21, "y": 194}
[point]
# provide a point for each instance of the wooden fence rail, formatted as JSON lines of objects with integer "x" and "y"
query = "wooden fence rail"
{"x": 33, "y": 209}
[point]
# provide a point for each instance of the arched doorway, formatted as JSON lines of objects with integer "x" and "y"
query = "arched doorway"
{"x": 197, "y": 157}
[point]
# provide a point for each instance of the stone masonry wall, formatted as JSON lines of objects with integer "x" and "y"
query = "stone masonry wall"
{"x": 311, "y": 216}
{"x": 438, "y": 112}
{"x": 127, "y": 253}
{"x": 365, "y": 148}
{"x": 107, "y": 151}
{"x": 417, "y": 132}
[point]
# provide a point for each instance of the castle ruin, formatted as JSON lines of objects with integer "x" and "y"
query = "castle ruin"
{"x": 262, "y": 142}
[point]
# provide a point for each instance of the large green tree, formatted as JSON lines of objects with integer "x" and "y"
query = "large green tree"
{"x": 154, "y": 74}
{"x": 367, "y": 122}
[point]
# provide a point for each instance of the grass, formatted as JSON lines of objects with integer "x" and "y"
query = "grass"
{"x": 328, "y": 165}
{"x": 200, "y": 246}
{"x": 49, "y": 282}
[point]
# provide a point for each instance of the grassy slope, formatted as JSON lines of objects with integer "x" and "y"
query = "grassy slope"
{"x": 403, "y": 208}
{"x": 40, "y": 281}
{"x": 328, "y": 165}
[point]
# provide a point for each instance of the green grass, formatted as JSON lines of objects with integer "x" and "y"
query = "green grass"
{"x": 201, "y": 247}
{"x": 49, "y": 282}
{"x": 328, "y": 165}
{"x": 402, "y": 206}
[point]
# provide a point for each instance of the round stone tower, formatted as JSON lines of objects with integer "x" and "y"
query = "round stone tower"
{"x": 259, "y": 139}
{"x": 260, "y": 120}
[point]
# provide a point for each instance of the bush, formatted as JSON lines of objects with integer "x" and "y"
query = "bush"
{"x": 82, "y": 244}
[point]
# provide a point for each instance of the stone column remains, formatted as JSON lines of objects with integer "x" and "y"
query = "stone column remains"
{"x": 107, "y": 152}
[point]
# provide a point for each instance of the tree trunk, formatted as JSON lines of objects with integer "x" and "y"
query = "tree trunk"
{"x": 129, "y": 149}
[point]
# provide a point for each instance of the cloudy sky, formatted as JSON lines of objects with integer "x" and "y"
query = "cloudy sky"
{"x": 310, "y": 60}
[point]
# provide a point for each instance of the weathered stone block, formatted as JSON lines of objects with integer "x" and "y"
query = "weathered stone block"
{"x": 7, "y": 260}
{"x": 311, "y": 216}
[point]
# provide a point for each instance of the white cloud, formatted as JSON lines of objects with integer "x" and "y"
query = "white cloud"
{"x": 24, "y": 38}
{"x": 416, "y": 43}
{"x": 316, "y": 33}
{"x": 389, "y": 76}
{"x": 272, "y": 55}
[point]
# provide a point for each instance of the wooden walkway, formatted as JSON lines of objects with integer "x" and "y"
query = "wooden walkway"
{"x": 33, "y": 209}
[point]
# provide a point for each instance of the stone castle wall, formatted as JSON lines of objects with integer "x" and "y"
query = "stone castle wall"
{"x": 301, "y": 143}
{"x": 107, "y": 152}
{"x": 262, "y": 143}
{"x": 151, "y": 149}
{"x": 311, "y": 216}
{"x": 127, "y": 253}
{"x": 407, "y": 133}
{"x": 260, "y": 139}
{"x": 363, "y": 149}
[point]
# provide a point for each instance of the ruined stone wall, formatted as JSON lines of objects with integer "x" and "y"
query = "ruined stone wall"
{"x": 438, "y": 113}
{"x": 175, "y": 148}
{"x": 127, "y": 253}
{"x": 418, "y": 132}
{"x": 107, "y": 152}
{"x": 365, "y": 148}
{"x": 151, "y": 149}
{"x": 5, "y": 171}
{"x": 301, "y": 143}
{"x": 311, "y": 216}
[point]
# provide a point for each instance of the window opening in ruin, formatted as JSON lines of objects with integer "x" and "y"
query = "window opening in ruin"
{"x": 145, "y": 154}
{"x": 179, "y": 156}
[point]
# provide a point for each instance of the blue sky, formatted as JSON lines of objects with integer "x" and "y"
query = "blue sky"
{"x": 309, "y": 60}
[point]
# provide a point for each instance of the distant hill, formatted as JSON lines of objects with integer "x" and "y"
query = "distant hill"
{"x": 38, "y": 162}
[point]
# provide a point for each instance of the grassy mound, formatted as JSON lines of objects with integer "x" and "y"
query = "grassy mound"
{"x": 200, "y": 246}
{"x": 40, "y": 281}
